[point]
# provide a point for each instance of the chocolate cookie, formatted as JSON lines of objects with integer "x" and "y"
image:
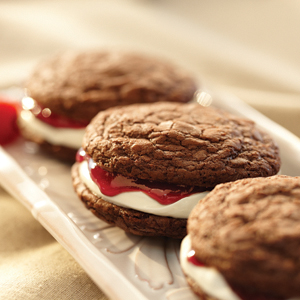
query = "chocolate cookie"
{"x": 249, "y": 230}
{"x": 174, "y": 153}
{"x": 71, "y": 88}
{"x": 184, "y": 144}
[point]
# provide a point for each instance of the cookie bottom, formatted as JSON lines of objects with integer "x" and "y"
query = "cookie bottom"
{"x": 197, "y": 289}
{"x": 130, "y": 220}
{"x": 62, "y": 153}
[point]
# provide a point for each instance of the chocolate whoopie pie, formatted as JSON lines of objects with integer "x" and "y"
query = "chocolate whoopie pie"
{"x": 248, "y": 233}
{"x": 66, "y": 91}
{"x": 173, "y": 151}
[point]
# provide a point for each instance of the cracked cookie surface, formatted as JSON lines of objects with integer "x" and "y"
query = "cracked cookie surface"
{"x": 184, "y": 144}
{"x": 249, "y": 230}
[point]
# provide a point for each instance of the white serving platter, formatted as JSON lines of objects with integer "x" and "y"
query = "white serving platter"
{"x": 122, "y": 265}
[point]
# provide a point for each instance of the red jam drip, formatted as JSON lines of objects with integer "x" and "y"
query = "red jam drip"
{"x": 52, "y": 119}
{"x": 191, "y": 257}
{"x": 8, "y": 118}
{"x": 112, "y": 184}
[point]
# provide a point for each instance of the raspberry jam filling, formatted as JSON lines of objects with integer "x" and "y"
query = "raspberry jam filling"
{"x": 243, "y": 295}
{"x": 47, "y": 116}
{"x": 8, "y": 117}
{"x": 191, "y": 257}
{"x": 112, "y": 184}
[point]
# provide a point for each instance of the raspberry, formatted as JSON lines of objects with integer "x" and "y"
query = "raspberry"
{"x": 8, "y": 120}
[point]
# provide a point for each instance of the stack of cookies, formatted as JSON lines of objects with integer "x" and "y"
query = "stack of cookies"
{"x": 153, "y": 162}
{"x": 161, "y": 159}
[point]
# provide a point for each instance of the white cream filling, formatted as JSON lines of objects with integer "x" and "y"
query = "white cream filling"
{"x": 209, "y": 279}
{"x": 142, "y": 202}
{"x": 68, "y": 137}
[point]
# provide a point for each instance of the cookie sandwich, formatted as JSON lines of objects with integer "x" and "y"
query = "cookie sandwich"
{"x": 143, "y": 167}
{"x": 243, "y": 241}
{"x": 66, "y": 91}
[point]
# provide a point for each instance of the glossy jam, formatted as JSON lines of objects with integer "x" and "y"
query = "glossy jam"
{"x": 112, "y": 184}
{"x": 193, "y": 260}
{"x": 242, "y": 294}
{"x": 8, "y": 120}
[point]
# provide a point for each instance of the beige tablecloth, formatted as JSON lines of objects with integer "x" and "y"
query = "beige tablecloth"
{"x": 248, "y": 48}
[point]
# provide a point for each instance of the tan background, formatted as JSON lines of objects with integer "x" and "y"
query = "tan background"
{"x": 247, "y": 48}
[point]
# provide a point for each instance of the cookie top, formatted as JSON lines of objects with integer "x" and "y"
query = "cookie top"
{"x": 185, "y": 144}
{"x": 250, "y": 231}
{"x": 78, "y": 85}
